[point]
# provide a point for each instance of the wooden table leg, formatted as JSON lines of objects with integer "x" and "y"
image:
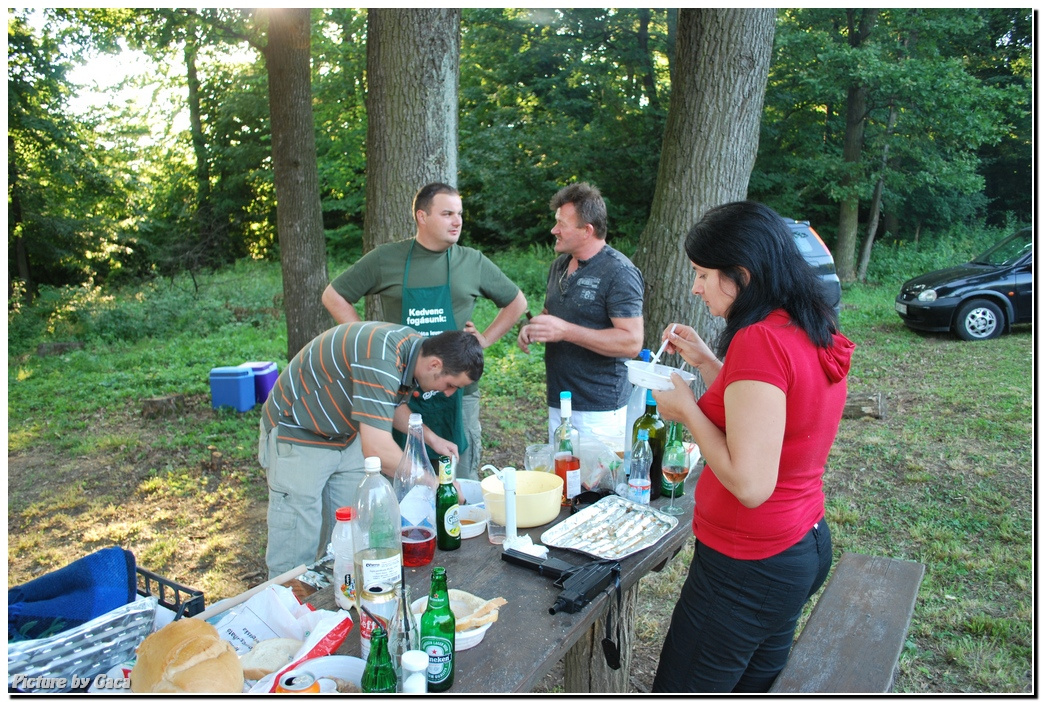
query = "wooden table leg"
{"x": 585, "y": 669}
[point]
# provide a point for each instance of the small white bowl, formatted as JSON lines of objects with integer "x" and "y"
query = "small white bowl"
{"x": 463, "y": 639}
{"x": 471, "y": 490}
{"x": 656, "y": 377}
{"x": 477, "y": 518}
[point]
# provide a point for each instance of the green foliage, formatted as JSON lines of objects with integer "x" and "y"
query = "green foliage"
{"x": 549, "y": 97}
{"x": 915, "y": 68}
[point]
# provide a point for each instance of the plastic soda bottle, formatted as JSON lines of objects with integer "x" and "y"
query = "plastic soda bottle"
{"x": 565, "y": 452}
{"x": 633, "y": 410}
{"x": 449, "y": 531}
{"x": 414, "y": 486}
{"x": 437, "y": 627}
{"x": 376, "y": 529}
{"x": 640, "y": 470}
{"x": 343, "y": 561}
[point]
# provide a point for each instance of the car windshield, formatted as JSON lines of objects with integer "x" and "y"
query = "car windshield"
{"x": 1008, "y": 250}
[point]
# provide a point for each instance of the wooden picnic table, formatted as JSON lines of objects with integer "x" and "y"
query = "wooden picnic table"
{"x": 527, "y": 641}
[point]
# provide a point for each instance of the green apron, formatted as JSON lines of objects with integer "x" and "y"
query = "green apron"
{"x": 444, "y": 415}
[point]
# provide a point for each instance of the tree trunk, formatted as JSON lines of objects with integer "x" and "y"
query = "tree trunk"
{"x": 203, "y": 218}
{"x": 876, "y": 203}
{"x": 853, "y": 144}
{"x": 300, "y": 234}
{"x": 708, "y": 150}
{"x": 413, "y": 116}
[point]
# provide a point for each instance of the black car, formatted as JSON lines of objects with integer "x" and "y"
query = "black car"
{"x": 976, "y": 300}
{"x": 816, "y": 253}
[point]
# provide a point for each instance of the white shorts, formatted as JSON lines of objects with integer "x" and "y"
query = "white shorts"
{"x": 606, "y": 427}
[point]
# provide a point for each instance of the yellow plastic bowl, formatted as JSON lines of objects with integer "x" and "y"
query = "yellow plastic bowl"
{"x": 538, "y": 498}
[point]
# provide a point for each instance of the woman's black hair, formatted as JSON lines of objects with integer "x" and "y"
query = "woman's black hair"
{"x": 752, "y": 236}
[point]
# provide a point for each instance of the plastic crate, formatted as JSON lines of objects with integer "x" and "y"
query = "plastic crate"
{"x": 182, "y": 601}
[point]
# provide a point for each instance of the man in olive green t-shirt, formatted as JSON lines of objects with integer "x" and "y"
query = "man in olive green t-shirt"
{"x": 432, "y": 284}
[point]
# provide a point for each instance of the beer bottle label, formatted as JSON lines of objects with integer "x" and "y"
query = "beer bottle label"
{"x": 442, "y": 657}
{"x": 452, "y": 525}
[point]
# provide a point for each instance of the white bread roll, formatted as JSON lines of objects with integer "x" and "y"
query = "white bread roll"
{"x": 267, "y": 656}
{"x": 186, "y": 656}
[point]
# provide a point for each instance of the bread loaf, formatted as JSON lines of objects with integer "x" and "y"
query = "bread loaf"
{"x": 267, "y": 656}
{"x": 186, "y": 656}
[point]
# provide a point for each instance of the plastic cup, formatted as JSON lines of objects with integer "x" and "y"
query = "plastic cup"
{"x": 496, "y": 532}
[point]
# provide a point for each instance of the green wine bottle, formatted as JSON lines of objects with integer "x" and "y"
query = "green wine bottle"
{"x": 652, "y": 422}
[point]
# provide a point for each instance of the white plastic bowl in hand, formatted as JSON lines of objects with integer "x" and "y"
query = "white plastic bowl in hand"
{"x": 656, "y": 376}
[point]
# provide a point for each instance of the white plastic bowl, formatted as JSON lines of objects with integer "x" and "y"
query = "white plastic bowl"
{"x": 471, "y": 490}
{"x": 478, "y": 516}
{"x": 656, "y": 377}
{"x": 463, "y": 639}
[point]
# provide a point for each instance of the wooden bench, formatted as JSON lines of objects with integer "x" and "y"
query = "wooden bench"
{"x": 853, "y": 638}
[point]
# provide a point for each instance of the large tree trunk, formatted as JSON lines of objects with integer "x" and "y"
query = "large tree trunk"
{"x": 413, "y": 113}
{"x": 300, "y": 234}
{"x": 709, "y": 148}
{"x": 203, "y": 244}
{"x": 853, "y": 145}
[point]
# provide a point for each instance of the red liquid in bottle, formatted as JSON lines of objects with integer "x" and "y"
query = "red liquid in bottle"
{"x": 564, "y": 463}
{"x": 417, "y": 546}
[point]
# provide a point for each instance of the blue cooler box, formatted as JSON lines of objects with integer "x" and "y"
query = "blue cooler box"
{"x": 265, "y": 373}
{"x": 232, "y": 386}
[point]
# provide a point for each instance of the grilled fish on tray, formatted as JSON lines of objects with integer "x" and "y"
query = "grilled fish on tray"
{"x": 612, "y": 528}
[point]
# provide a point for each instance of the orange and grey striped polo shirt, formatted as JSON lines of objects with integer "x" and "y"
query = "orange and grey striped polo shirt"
{"x": 353, "y": 373}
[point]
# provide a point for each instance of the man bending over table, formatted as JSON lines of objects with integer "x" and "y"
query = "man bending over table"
{"x": 335, "y": 404}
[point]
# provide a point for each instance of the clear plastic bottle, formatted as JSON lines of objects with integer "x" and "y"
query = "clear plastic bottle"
{"x": 640, "y": 470}
{"x": 376, "y": 529}
{"x": 655, "y": 426}
{"x": 415, "y": 484}
{"x": 566, "y": 452}
{"x": 343, "y": 563}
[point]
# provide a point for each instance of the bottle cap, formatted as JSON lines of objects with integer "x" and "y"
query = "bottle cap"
{"x": 415, "y": 418}
{"x": 344, "y": 514}
{"x": 651, "y": 400}
{"x": 641, "y": 434}
{"x": 373, "y": 464}
{"x": 565, "y": 395}
{"x": 645, "y": 355}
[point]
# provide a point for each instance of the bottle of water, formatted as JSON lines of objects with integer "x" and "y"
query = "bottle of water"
{"x": 633, "y": 411}
{"x": 415, "y": 484}
{"x": 343, "y": 562}
{"x": 640, "y": 470}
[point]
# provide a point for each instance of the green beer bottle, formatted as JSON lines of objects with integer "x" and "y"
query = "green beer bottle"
{"x": 449, "y": 531}
{"x": 379, "y": 673}
{"x": 437, "y": 634}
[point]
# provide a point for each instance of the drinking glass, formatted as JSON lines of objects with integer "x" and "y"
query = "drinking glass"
{"x": 674, "y": 468}
{"x": 539, "y": 457}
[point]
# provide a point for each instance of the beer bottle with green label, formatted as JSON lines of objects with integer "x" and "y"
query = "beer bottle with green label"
{"x": 437, "y": 634}
{"x": 449, "y": 531}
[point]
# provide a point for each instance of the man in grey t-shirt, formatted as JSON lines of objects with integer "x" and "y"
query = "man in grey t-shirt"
{"x": 592, "y": 321}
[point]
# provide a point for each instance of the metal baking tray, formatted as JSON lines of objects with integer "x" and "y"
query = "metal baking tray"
{"x": 612, "y": 528}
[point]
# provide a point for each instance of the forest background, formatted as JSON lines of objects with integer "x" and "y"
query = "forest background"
{"x": 148, "y": 232}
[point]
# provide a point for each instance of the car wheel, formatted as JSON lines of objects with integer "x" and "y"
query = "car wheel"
{"x": 978, "y": 320}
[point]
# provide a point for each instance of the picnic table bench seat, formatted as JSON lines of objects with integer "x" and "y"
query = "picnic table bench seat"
{"x": 853, "y": 638}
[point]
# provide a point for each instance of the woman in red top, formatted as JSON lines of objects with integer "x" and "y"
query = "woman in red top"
{"x": 765, "y": 427}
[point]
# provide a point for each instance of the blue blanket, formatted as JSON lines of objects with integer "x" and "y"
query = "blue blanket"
{"x": 66, "y": 598}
